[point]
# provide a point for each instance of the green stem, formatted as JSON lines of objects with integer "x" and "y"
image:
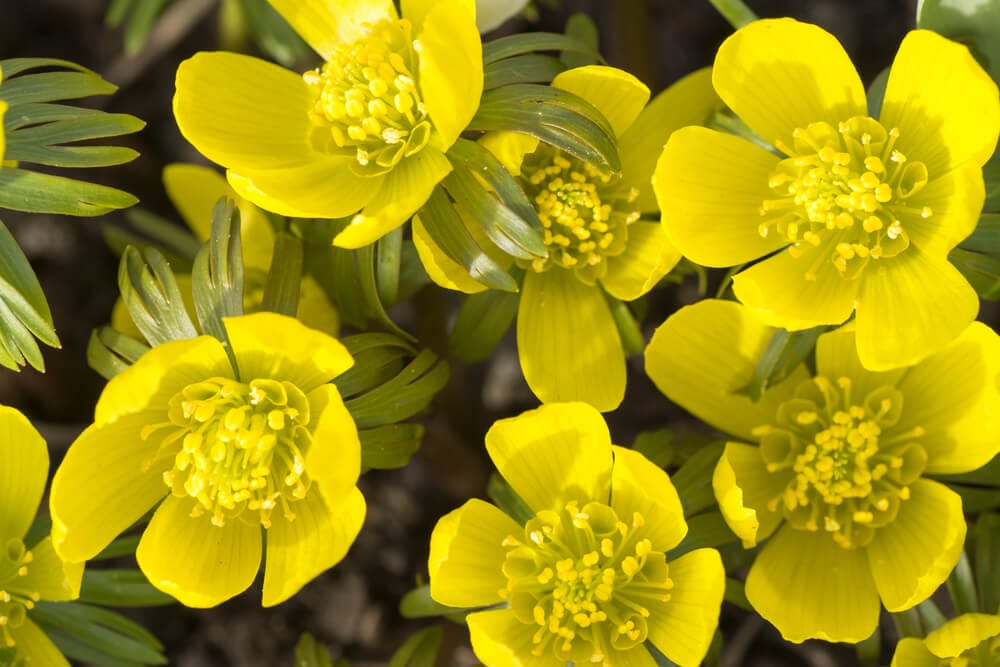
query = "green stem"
{"x": 735, "y": 11}
{"x": 930, "y": 615}
{"x": 908, "y": 623}
{"x": 962, "y": 587}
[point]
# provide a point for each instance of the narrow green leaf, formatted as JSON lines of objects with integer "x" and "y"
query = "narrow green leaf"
{"x": 17, "y": 341}
{"x": 785, "y": 351}
{"x": 388, "y": 258}
{"x": 479, "y": 161}
{"x": 693, "y": 480}
{"x": 120, "y": 588}
{"x": 984, "y": 534}
{"x": 284, "y": 280}
{"x": 870, "y": 650}
{"x": 529, "y": 68}
{"x": 378, "y": 358}
{"x": 81, "y": 128}
{"x": 962, "y": 587}
{"x": 419, "y": 650}
{"x": 707, "y": 529}
{"x": 735, "y": 11}
{"x": 986, "y": 237}
{"x": 482, "y": 321}
{"x": 310, "y": 653}
{"x": 629, "y": 330}
{"x": 515, "y": 45}
{"x": 33, "y": 192}
{"x": 152, "y": 297}
{"x": 273, "y": 34}
{"x": 977, "y": 498}
{"x": 408, "y": 393}
{"x": 124, "y": 545}
{"x": 735, "y": 593}
{"x": 140, "y": 23}
{"x": 116, "y": 13}
{"x": 419, "y": 604}
{"x": 110, "y": 352}
{"x": 507, "y": 499}
{"x": 96, "y": 635}
{"x": 13, "y": 66}
{"x": 36, "y": 113}
{"x": 389, "y": 446}
{"x": 72, "y": 157}
{"x": 657, "y": 446}
{"x": 50, "y": 86}
{"x": 217, "y": 276}
{"x": 582, "y": 28}
{"x": 981, "y": 270}
{"x": 29, "y": 304}
{"x": 368, "y": 282}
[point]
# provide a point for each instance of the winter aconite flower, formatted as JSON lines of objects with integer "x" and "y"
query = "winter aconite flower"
{"x": 862, "y": 211}
{"x": 599, "y": 247}
{"x": 225, "y": 452}
{"x": 27, "y": 575}
{"x": 833, "y": 467}
{"x": 365, "y": 131}
{"x": 971, "y": 640}
{"x": 586, "y": 580}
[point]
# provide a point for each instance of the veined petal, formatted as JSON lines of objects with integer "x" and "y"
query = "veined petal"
{"x": 403, "y": 191}
{"x": 278, "y": 347}
{"x": 837, "y": 357}
{"x": 439, "y": 267}
{"x": 510, "y": 148}
{"x": 780, "y": 74}
{"x": 909, "y": 307}
{"x": 944, "y": 104}
{"x": 553, "y": 454}
{"x": 49, "y": 576}
{"x": 23, "y": 474}
{"x": 467, "y": 555}
{"x": 34, "y": 645}
{"x": 648, "y": 256}
{"x": 704, "y": 354}
{"x": 498, "y": 638}
{"x": 955, "y": 200}
{"x": 618, "y": 95}
{"x": 243, "y": 112}
{"x": 638, "y": 485}
{"x": 450, "y": 55}
{"x": 914, "y": 554}
{"x": 334, "y": 460}
{"x": 491, "y": 14}
{"x": 809, "y": 587}
{"x": 637, "y": 656}
{"x": 710, "y": 187}
{"x": 682, "y": 627}
{"x": 911, "y": 652}
{"x": 109, "y": 478}
{"x": 743, "y": 487}
{"x": 200, "y": 564}
{"x": 326, "y": 23}
{"x": 962, "y": 633}
{"x": 316, "y": 540}
{"x": 689, "y": 101}
{"x": 568, "y": 342}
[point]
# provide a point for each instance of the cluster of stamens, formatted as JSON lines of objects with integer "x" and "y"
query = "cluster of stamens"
{"x": 584, "y": 213}
{"x": 585, "y": 579}
{"x": 847, "y": 467}
{"x": 848, "y": 186}
{"x": 367, "y": 102}
{"x": 237, "y": 447}
{"x": 16, "y": 598}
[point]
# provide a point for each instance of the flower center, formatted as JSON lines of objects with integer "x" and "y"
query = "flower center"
{"x": 15, "y": 596}
{"x": 848, "y": 468}
{"x": 849, "y": 182}
{"x": 985, "y": 654}
{"x": 367, "y": 103}
{"x": 584, "y": 215}
{"x": 237, "y": 447}
{"x": 584, "y": 578}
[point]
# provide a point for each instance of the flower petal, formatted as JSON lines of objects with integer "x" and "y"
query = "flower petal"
{"x": 809, "y": 587}
{"x": 315, "y": 310}
{"x": 553, "y": 454}
{"x": 510, "y": 148}
{"x": 326, "y": 23}
{"x": 316, "y": 540}
{"x": 440, "y": 268}
{"x": 278, "y": 347}
{"x": 682, "y": 627}
{"x": 200, "y": 564}
{"x": 491, "y": 14}
{"x": 35, "y": 646}
{"x": 49, "y": 576}
{"x": 837, "y": 357}
{"x": 780, "y": 74}
{"x": 709, "y": 187}
{"x": 909, "y": 307}
{"x": 962, "y": 633}
{"x": 108, "y": 480}
{"x": 955, "y": 200}
{"x": 403, "y": 191}
{"x": 648, "y": 256}
{"x": 334, "y": 460}
{"x": 618, "y": 95}
{"x": 498, "y": 638}
{"x": 640, "y": 486}
{"x": 944, "y": 104}
{"x": 689, "y": 101}
{"x": 743, "y": 487}
{"x": 560, "y": 361}
{"x": 914, "y": 554}
{"x": 23, "y": 474}
{"x": 467, "y": 555}
{"x": 911, "y": 652}
{"x": 243, "y": 112}
{"x": 704, "y": 354}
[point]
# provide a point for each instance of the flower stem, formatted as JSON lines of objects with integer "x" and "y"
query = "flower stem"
{"x": 735, "y": 11}
{"x": 962, "y": 587}
{"x": 908, "y": 623}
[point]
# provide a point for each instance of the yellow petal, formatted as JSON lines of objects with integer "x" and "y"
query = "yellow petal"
{"x": 638, "y": 485}
{"x": 403, "y": 192}
{"x": 510, "y": 148}
{"x": 268, "y": 345}
{"x": 914, "y": 554}
{"x": 334, "y": 460}
{"x": 911, "y": 652}
{"x": 648, "y": 256}
{"x": 809, "y": 587}
{"x": 682, "y": 627}
{"x": 108, "y": 480}
{"x": 553, "y": 454}
{"x": 710, "y": 187}
{"x": 779, "y": 75}
{"x": 944, "y": 104}
{"x": 315, "y": 310}
{"x": 243, "y": 112}
{"x": 49, "y": 576}
{"x": 498, "y": 638}
{"x": 491, "y": 14}
{"x": 743, "y": 487}
{"x": 439, "y": 267}
{"x": 326, "y": 23}
{"x": 909, "y": 307}
{"x": 316, "y": 540}
{"x": 703, "y": 354}
{"x": 618, "y": 95}
{"x": 568, "y": 342}
{"x": 637, "y": 656}
{"x": 200, "y": 564}
{"x": 34, "y": 645}
{"x": 961, "y": 634}
{"x": 837, "y": 357}
{"x": 955, "y": 200}
{"x": 23, "y": 474}
{"x": 689, "y": 101}
{"x": 467, "y": 555}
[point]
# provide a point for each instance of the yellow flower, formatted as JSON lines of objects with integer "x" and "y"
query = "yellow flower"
{"x": 586, "y": 579}
{"x": 194, "y": 191}
{"x": 599, "y": 248}
{"x": 864, "y": 212}
{"x": 971, "y": 640}
{"x": 366, "y": 130}
{"x": 27, "y": 575}
{"x": 837, "y": 475}
{"x": 223, "y": 450}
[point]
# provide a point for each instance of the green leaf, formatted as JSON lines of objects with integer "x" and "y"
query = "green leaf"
{"x": 529, "y": 68}
{"x": 388, "y": 259}
{"x": 389, "y": 446}
{"x": 693, "y": 480}
{"x": 95, "y": 635}
{"x": 707, "y": 529}
{"x": 981, "y": 270}
{"x": 975, "y": 23}
{"x": 217, "y": 276}
{"x": 735, "y": 593}
{"x": 140, "y": 23}
{"x": 120, "y": 588}
{"x": 657, "y": 446}
{"x": 72, "y": 156}
{"x": 735, "y": 11}
{"x": 367, "y": 280}
{"x": 124, "y": 545}
{"x": 273, "y": 34}
{"x": 284, "y": 280}
{"x": 582, "y": 28}
{"x": 987, "y": 475}
{"x": 785, "y": 351}
{"x": 14, "y": 66}
{"x": 419, "y": 650}
{"x": 515, "y": 45}
{"x": 24, "y": 314}
{"x": 109, "y": 352}
{"x": 985, "y": 551}
{"x": 408, "y": 393}
{"x": 986, "y": 237}
{"x": 876, "y": 91}
{"x": 418, "y": 604}
{"x": 50, "y": 86}
{"x": 977, "y": 498}
{"x": 378, "y": 357}
{"x": 152, "y": 297}
{"x": 88, "y": 124}
{"x": 633, "y": 342}
{"x": 482, "y": 321}
{"x": 507, "y": 499}
{"x": 32, "y": 192}
{"x": 310, "y": 653}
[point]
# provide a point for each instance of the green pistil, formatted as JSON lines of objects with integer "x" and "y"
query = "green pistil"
{"x": 16, "y": 596}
